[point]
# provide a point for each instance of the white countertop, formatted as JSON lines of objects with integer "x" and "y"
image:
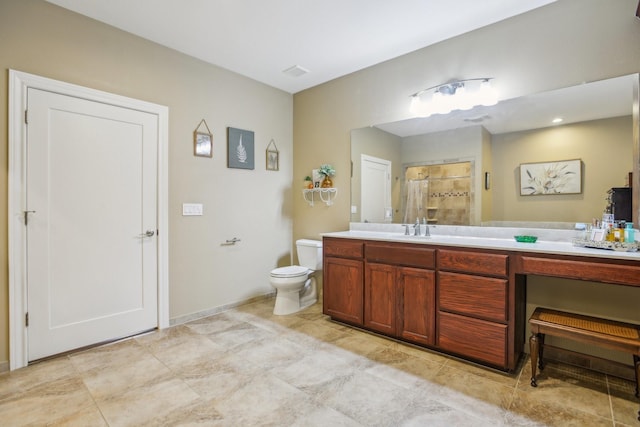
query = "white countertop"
{"x": 498, "y": 238}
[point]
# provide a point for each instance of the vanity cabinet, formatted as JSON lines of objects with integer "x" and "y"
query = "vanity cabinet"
{"x": 399, "y": 291}
{"x": 473, "y": 305}
{"x": 458, "y": 301}
{"x": 342, "y": 293}
{"x": 469, "y": 301}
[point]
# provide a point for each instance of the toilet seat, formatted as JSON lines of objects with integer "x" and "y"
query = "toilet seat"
{"x": 290, "y": 271}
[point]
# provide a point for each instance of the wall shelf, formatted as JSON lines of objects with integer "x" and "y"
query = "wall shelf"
{"x": 326, "y": 195}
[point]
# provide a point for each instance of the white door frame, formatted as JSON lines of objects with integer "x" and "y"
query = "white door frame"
{"x": 19, "y": 82}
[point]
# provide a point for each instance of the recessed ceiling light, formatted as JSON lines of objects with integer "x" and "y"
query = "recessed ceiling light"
{"x": 295, "y": 71}
{"x": 557, "y": 120}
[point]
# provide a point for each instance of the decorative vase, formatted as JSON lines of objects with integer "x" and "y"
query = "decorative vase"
{"x": 327, "y": 182}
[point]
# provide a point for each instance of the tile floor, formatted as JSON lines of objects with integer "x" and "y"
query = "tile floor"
{"x": 246, "y": 367}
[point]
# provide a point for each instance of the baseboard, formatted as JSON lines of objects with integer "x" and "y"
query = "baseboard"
{"x": 4, "y": 366}
{"x": 210, "y": 312}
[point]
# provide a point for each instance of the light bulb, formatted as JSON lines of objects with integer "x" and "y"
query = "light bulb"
{"x": 463, "y": 100}
{"x": 419, "y": 108}
{"x": 487, "y": 95}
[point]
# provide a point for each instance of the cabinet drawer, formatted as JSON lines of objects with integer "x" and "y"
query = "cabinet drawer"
{"x": 473, "y": 262}
{"x": 343, "y": 248}
{"x": 583, "y": 270}
{"x": 398, "y": 254}
{"x": 483, "y": 297}
{"x": 473, "y": 338}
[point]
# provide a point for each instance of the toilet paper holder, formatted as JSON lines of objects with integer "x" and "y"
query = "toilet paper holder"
{"x": 230, "y": 242}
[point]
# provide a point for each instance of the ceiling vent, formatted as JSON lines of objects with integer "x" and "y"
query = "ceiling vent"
{"x": 477, "y": 119}
{"x": 295, "y": 71}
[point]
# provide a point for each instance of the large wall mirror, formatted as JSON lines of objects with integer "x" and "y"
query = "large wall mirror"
{"x": 463, "y": 168}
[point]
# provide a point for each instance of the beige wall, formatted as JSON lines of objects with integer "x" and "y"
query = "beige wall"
{"x": 604, "y": 146}
{"x": 563, "y": 44}
{"x": 383, "y": 145}
{"x": 39, "y": 38}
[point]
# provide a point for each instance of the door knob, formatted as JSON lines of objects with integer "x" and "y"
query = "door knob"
{"x": 148, "y": 233}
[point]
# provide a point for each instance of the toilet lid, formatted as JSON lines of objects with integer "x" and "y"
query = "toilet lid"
{"x": 290, "y": 271}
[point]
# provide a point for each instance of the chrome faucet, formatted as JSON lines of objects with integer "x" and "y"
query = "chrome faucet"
{"x": 426, "y": 227}
{"x": 406, "y": 229}
{"x": 416, "y": 228}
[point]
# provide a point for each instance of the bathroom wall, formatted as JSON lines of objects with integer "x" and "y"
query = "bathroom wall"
{"x": 383, "y": 145}
{"x": 604, "y": 148}
{"x": 43, "y": 39}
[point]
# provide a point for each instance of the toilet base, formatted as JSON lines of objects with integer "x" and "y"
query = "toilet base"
{"x": 292, "y": 301}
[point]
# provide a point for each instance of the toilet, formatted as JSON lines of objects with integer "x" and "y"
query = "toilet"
{"x": 295, "y": 285}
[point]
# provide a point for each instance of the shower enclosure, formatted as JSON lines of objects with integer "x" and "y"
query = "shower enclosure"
{"x": 439, "y": 194}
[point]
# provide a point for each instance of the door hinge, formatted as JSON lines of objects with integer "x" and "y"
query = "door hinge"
{"x": 26, "y": 117}
{"x": 26, "y": 319}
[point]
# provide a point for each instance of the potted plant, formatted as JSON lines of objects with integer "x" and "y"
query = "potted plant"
{"x": 327, "y": 171}
{"x": 308, "y": 182}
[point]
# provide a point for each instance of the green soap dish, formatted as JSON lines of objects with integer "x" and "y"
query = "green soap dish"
{"x": 525, "y": 239}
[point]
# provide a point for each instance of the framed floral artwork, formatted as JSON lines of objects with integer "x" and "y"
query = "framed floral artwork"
{"x": 561, "y": 177}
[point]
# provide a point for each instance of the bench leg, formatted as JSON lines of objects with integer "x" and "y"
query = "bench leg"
{"x": 534, "y": 347}
{"x": 540, "y": 350}
{"x": 636, "y": 364}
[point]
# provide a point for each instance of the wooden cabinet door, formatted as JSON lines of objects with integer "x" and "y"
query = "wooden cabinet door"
{"x": 380, "y": 298}
{"x": 417, "y": 288}
{"x": 343, "y": 292}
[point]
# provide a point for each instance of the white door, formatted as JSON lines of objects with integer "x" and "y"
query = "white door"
{"x": 375, "y": 188}
{"x": 91, "y": 201}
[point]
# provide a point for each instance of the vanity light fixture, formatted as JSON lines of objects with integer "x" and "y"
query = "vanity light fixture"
{"x": 557, "y": 120}
{"x": 455, "y": 95}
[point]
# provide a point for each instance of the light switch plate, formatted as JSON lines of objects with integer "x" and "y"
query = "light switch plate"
{"x": 192, "y": 209}
{"x": 354, "y": 209}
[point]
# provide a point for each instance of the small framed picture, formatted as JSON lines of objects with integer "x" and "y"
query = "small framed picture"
{"x": 272, "y": 160}
{"x": 202, "y": 144}
{"x": 273, "y": 157}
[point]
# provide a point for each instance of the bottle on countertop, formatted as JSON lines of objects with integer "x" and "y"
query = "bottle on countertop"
{"x": 629, "y": 233}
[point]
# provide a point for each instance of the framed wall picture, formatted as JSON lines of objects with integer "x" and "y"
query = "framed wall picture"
{"x": 240, "y": 148}
{"x": 562, "y": 177}
{"x": 273, "y": 157}
{"x": 203, "y": 144}
{"x": 202, "y": 141}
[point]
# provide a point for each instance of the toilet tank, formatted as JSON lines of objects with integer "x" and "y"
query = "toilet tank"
{"x": 310, "y": 253}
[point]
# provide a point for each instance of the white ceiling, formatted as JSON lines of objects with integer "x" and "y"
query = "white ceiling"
{"x": 330, "y": 38}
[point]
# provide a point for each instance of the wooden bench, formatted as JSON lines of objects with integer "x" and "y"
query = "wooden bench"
{"x": 624, "y": 337}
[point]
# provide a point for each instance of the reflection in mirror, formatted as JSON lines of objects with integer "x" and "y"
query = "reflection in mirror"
{"x": 596, "y": 127}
